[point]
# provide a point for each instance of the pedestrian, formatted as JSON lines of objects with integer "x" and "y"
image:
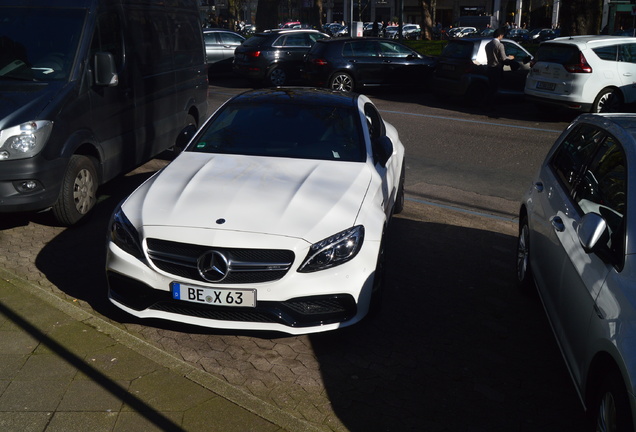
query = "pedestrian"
{"x": 496, "y": 55}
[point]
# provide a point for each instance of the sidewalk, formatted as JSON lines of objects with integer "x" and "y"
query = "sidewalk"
{"x": 65, "y": 369}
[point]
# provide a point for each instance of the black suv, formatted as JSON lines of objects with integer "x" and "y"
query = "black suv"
{"x": 348, "y": 64}
{"x": 274, "y": 57}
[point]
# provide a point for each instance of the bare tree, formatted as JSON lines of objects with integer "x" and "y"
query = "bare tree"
{"x": 315, "y": 14}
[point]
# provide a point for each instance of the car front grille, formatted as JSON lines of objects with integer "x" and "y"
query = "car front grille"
{"x": 246, "y": 266}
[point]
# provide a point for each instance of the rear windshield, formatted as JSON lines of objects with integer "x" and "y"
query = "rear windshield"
{"x": 284, "y": 130}
{"x": 256, "y": 40}
{"x": 460, "y": 50}
{"x": 557, "y": 53}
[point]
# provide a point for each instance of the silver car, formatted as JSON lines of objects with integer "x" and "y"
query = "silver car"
{"x": 576, "y": 245}
{"x": 219, "y": 48}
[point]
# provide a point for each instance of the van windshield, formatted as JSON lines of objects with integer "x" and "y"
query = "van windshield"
{"x": 38, "y": 44}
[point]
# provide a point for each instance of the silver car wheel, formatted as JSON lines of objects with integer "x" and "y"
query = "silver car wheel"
{"x": 341, "y": 82}
{"x": 84, "y": 191}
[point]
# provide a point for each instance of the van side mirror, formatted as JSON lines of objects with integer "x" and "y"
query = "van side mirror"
{"x": 382, "y": 149}
{"x": 105, "y": 71}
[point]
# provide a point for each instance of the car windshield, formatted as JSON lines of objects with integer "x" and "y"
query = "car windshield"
{"x": 284, "y": 130}
{"x": 38, "y": 44}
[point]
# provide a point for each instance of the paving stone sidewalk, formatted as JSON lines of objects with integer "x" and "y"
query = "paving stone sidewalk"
{"x": 63, "y": 369}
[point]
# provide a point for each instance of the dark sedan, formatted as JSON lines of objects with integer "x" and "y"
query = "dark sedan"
{"x": 348, "y": 64}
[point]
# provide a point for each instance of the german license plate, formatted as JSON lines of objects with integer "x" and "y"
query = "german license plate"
{"x": 542, "y": 85}
{"x": 214, "y": 296}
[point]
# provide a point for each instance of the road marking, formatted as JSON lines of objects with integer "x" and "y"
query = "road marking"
{"x": 473, "y": 121}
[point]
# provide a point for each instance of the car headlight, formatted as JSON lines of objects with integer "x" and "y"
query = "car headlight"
{"x": 25, "y": 140}
{"x": 334, "y": 250}
{"x": 125, "y": 235}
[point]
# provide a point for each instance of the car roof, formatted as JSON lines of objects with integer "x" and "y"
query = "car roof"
{"x": 585, "y": 40}
{"x": 287, "y": 30}
{"x": 298, "y": 95}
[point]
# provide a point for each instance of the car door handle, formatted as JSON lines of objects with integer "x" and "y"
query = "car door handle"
{"x": 538, "y": 186}
{"x": 557, "y": 223}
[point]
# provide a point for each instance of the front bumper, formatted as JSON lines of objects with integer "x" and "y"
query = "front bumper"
{"x": 297, "y": 303}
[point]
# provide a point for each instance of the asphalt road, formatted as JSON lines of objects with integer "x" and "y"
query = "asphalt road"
{"x": 456, "y": 347}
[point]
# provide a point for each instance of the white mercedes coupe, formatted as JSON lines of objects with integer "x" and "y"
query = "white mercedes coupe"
{"x": 273, "y": 217}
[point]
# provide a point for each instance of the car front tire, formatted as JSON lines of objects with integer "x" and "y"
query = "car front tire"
{"x": 79, "y": 191}
{"x": 341, "y": 81}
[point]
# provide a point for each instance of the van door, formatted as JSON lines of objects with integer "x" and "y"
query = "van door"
{"x": 111, "y": 107}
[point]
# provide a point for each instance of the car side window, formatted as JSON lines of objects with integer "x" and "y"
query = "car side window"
{"x": 230, "y": 39}
{"x": 360, "y": 49}
{"x": 603, "y": 190}
{"x": 512, "y": 49}
{"x": 607, "y": 53}
{"x": 210, "y": 38}
{"x": 627, "y": 53}
{"x": 390, "y": 49}
{"x": 570, "y": 159}
{"x": 296, "y": 40}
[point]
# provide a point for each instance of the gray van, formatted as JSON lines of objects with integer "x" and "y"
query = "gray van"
{"x": 91, "y": 89}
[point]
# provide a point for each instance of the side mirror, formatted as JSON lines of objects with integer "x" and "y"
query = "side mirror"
{"x": 592, "y": 231}
{"x": 382, "y": 150}
{"x": 104, "y": 70}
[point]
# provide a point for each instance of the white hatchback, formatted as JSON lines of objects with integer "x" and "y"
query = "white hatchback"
{"x": 585, "y": 73}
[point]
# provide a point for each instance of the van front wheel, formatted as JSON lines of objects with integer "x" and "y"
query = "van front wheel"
{"x": 79, "y": 191}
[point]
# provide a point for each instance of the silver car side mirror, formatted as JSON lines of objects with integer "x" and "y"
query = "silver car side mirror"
{"x": 591, "y": 230}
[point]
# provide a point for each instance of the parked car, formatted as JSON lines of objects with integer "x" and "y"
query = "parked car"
{"x": 219, "y": 48}
{"x": 368, "y": 29}
{"x": 273, "y": 218}
{"x": 332, "y": 29}
{"x": 584, "y": 73}
{"x": 409, "y": 31}
{"x": 461, "y": 70}
{"x": 274, "y": 57}
{"x": 349, "y": 64}
{"x": 518, "y": 35}
{"x": 542, "y": 34}
{"x": 575, "y": 246}
{"x": 390, "y": 32}
{"x": 412, "y": 31}
{"x": 460, "y": 32}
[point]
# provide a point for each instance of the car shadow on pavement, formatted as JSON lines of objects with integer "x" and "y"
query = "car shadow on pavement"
{"x": 456, "y": 346}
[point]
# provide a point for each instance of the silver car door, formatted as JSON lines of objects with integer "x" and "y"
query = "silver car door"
{"x": 600, "y": 190}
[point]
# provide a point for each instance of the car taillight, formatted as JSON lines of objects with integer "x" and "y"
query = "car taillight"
{"x": 581, "y": 67}
{"x": 319, "y": 62}
{"x": 254, "y": 54}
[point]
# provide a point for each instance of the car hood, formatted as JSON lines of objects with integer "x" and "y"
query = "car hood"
{"x": 308, "y": 199}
